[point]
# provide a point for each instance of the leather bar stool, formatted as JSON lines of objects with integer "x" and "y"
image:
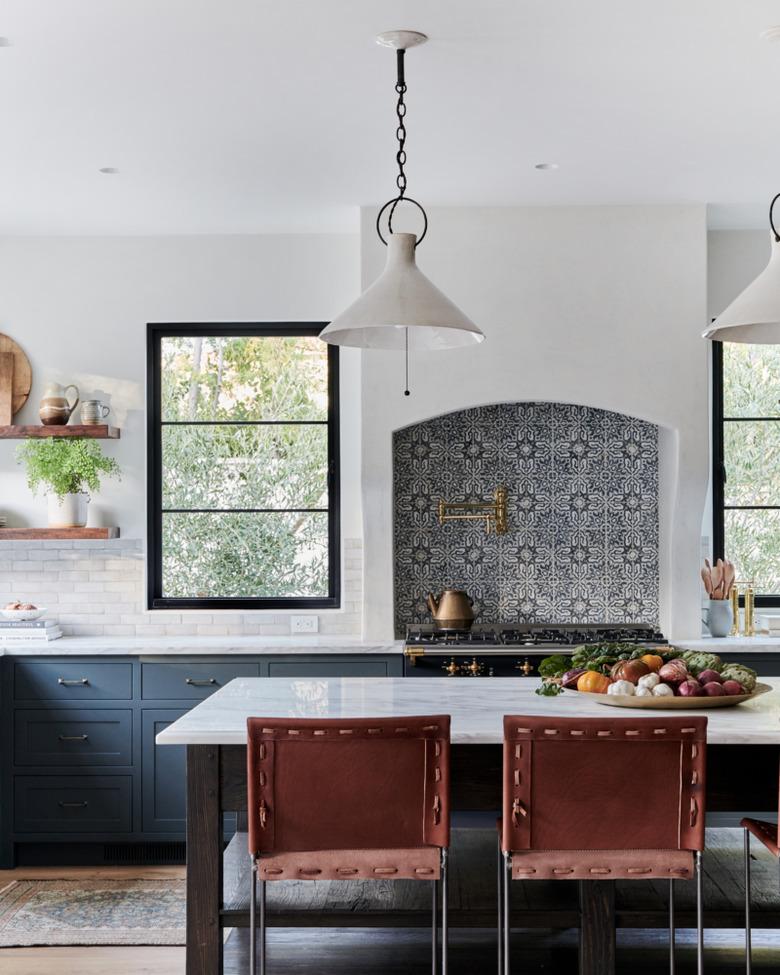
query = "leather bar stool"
{"x": 602, "y": 799}
{"x": 767, "y": 834}
{"x": 351, "y": 799}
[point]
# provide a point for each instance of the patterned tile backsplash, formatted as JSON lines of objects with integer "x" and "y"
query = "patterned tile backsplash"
{"x": 582, "y": 544}
{"x": 97, "y": 589}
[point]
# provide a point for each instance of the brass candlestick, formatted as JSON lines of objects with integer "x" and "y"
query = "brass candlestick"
{"x": 734, "y": 597}
{"x": 750, "y": 597}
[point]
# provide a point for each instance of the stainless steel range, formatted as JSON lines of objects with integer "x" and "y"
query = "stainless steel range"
{"x": 506, "y": 651}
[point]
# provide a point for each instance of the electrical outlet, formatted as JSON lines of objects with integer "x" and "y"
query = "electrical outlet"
{"x": 304, "y": 624}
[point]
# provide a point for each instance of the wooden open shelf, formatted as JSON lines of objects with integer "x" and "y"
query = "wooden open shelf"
{"x": 28, "y": 534}
{"x": 97, "y": 431}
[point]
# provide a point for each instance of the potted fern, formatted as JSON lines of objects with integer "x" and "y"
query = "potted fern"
{"x": 66, "y": 469}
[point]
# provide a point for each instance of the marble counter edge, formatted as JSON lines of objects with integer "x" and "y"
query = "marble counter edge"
{"x": 196, "y": 646}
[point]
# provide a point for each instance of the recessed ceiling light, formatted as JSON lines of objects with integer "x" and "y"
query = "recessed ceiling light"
{"x": 546, "y": 166}
{"x": 108, "y": 171}
{"x": 771, "y": 33}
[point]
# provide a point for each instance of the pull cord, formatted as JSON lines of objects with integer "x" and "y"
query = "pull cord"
{"x": 406, "y": 353}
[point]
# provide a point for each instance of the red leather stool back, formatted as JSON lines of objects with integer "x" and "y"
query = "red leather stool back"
{"x": 604, "y": 784}
{"x": 376, "y": 783}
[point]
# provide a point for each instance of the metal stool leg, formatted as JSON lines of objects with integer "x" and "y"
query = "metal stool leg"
{"x": 748, "y": 944}
{"x": 262, "y": 927}
{"x": 445, "y": 931}
{"x": 253, "y": 919}
{"x": 699, "y": 915}
{"x": 434, "y": 928}
{"x": 507, "y": 871}
{"x": 671, "y": 928}
{"x": 500, "y": 898}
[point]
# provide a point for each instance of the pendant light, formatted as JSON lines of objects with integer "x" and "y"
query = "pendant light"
{"x": 754, "y": 316}
{"x": 402, "y": 309}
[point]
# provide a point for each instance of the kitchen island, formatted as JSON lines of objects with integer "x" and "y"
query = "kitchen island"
{"x": 743, "y": 752}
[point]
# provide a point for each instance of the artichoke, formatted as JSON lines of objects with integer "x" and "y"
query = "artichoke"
{"x": 698, "y": 660}
{"x": 745, "y": 676}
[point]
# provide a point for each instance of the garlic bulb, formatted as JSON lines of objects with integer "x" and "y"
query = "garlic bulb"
{"x": 643, "y": 690}
{"x": 621, "y": 687}
{"x": 650, "y": 681}
{"x": 663, "y": 690}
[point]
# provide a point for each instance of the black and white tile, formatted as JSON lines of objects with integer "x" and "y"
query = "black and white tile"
{"x": 582, "y": 544}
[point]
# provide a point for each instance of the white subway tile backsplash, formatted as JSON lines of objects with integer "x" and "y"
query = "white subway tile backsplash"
{"x": 96, "y": 588}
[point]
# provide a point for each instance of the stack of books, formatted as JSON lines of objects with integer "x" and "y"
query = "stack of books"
{"x": 22, "y": 631}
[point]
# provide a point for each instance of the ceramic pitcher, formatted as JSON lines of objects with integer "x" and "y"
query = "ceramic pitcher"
{"x": 56, "y": 409}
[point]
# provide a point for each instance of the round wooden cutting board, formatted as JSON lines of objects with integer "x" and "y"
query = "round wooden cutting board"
{"x": 22, "y": 381}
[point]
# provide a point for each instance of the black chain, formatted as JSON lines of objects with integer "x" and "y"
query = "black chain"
{"x": 400, "y": 134}
{"x": 400, "y": 158}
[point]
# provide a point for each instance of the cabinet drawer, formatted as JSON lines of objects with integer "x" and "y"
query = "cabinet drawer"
{"x": 190, "y": 682}
{"x": 73, "y": 804}
{"x": 328, "y": 668}
{"x": 89, "y": 737}
{"x": 74, "y": 682}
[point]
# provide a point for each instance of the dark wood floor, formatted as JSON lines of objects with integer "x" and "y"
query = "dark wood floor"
{"x": 334, "y": 951}
{"x": 360, "y": 946}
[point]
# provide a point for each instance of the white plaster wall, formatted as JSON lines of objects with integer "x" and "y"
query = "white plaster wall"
{"x": 599, "y": 306}
{"x": 79, "y": 308}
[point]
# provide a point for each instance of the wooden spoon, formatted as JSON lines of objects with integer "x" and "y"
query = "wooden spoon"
{"x": 717, "y": 578}
{"x": 707, "y": 580}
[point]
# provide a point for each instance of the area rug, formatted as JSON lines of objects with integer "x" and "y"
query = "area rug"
{"x": 92, "y": 912}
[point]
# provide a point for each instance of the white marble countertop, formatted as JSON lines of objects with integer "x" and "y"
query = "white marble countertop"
{"x": 477, "y": 707}
{"x": 194, "y": 645}
{"x": 257, "y": 645}
{"x": 731, "y": 644}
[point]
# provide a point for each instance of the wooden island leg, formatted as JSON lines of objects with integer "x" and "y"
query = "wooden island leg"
{"x": 597, "y": 927}
{"x": 204, "y": 861}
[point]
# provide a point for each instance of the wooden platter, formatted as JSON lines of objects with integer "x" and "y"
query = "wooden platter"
{"x": 672, "y": 703}
{"x": 15, "y": 378}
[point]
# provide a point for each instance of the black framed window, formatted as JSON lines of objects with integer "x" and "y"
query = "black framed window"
{"x": 746, "y": 463}
{"x": 243, "y": 467}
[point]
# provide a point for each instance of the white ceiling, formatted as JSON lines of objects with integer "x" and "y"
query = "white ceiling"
{"x": 240, "y": 116}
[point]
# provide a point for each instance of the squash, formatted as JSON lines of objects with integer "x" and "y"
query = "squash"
{"x": 593, "y": 682}
{"x": 653, "y": 661}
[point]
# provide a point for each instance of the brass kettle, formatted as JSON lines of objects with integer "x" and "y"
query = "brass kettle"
{"x": 452, "y": 610}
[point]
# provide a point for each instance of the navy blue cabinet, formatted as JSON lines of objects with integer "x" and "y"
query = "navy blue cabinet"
{"x": 72, "y": 682}
{"x": 191, "y": 681}
{"x": 80, "y": 768}
{"x": 163, "y": 789}
{"x": 73, "y": 804}
{"x": 73, "y": 737}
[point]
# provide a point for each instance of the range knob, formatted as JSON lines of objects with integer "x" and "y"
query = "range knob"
{"x": 451, "y": 669}
{"x": 474, "y": 669}
{"x": 526, "y": 667}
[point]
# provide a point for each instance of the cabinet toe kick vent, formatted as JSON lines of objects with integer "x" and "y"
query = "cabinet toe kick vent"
{"x": 144, "y": 853}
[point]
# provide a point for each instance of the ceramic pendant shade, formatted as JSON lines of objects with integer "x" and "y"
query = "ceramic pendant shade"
{"x": 754, "y": 316}
{"x": 402, "y": 298}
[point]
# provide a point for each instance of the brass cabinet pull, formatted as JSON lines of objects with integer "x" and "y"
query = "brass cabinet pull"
{"x": 73, "y": 805}
{"x": 73, "y": 737}
{"x": 200, "y": 683}
{"x": 83, "y": 682}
